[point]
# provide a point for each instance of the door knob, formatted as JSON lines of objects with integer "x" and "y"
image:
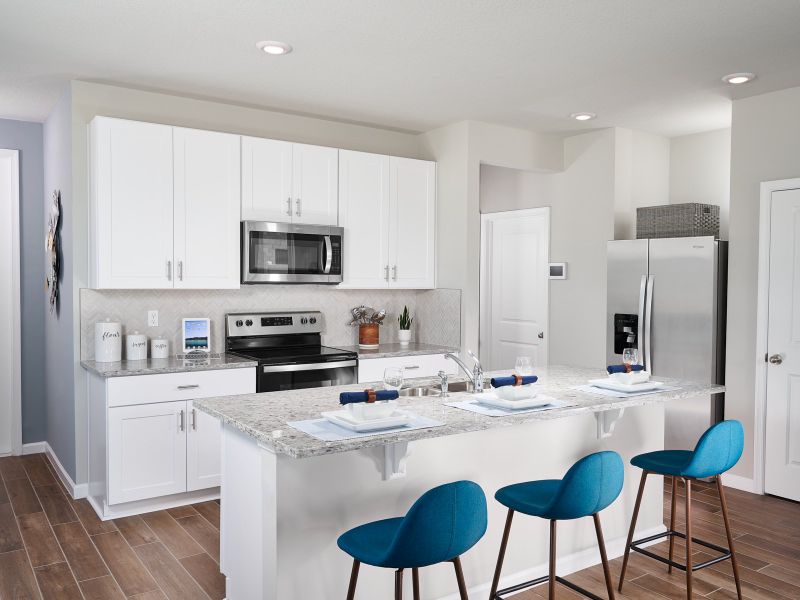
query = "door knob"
{"x": 776, "y": 359}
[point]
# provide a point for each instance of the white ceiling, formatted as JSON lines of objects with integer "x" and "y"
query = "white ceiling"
{"x": 414, "y": 65}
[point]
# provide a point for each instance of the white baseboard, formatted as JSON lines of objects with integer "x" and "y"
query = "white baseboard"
{"x": 34, "y": 448}
{"x": 566, "y": 564}
{"x": 737, "y": 482}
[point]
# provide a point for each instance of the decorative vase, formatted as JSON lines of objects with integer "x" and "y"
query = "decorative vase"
{"x": 404, "y": 336}
{"x": 368, "y": 336}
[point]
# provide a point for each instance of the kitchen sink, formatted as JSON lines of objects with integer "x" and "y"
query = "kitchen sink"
{"x": 433, "y": 390}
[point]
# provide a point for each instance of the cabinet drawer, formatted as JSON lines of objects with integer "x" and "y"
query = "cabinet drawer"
{"x": 424, "y": 365}
{"x": 170, "y": 387}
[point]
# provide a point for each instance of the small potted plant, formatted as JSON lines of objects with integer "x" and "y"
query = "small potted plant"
{"x": 405, "y": 321}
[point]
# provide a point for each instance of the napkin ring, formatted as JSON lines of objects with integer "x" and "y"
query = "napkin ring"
{"x": 517, "y": 380}
{"x": 371, "y": 396}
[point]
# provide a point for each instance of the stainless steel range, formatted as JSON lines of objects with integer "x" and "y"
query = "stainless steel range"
{"x": 288, "y": 348}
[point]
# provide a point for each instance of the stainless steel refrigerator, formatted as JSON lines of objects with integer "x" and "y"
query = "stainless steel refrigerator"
{"x": 667, "y": 297}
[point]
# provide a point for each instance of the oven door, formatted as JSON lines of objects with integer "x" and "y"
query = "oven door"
{"x": 286, "y": 253}
{"x": 276, "y": 378}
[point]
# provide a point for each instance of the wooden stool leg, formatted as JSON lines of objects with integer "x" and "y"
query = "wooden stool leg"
{"x": 398, "y": 584}
{"x": 633, "y": 527}
{"x": 603, "y": 556}
{"x": 501, "y": 556}
{"x": 462, "y": 586}
{"x": 552, "y": 590}
{"x": 351, "y": 591}
{"x": 415, "y": 582}
{"x": 724, "y": 506}
{"x": 688, "y": 483}
{"x": 672, "y": 519}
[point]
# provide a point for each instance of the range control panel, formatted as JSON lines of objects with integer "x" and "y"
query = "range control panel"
{"x": 250, "y": 324}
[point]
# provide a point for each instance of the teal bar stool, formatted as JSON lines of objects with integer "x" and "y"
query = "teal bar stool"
{"x": 441, "y": 526}
{"x": 718, "y": 450}
{"x": 589, "y": 486}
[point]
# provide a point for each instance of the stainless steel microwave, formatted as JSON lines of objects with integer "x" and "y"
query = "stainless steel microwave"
{"x": 287, "y": 253}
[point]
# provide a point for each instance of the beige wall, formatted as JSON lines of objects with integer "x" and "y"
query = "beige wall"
{"x": 765, "y": 146}
{"x": 700, "y": 171}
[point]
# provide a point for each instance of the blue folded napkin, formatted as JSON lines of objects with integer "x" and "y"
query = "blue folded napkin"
{"x": 503, "y": 381}
{"x": 356, "y": 397}
{"x": 621, "y": 369}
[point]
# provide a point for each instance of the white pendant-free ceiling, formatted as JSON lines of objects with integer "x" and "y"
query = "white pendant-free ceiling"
{"x": 415, "y": 65}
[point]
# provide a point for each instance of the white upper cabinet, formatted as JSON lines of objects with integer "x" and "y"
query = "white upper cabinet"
{"x": 164, "y": 206}
{"x": 207, "y": 195}
{"x": 364, "y": 215}
{"x": 289, "y": 183}
{"x": 315, "y": 174}
{"x": 130, "y": 204}
{"x": 412, "y": 210}
{"x": 266, "y": 180}
{"x": 387, "y": 206}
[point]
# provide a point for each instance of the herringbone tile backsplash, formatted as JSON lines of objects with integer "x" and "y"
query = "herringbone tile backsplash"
{"x": 437, "y": 313}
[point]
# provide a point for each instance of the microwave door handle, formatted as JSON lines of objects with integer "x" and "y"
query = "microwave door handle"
{"x": 328, "y": 253}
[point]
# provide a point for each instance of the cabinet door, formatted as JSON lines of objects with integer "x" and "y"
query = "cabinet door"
{"x": 315, "y": 173}
{"x": 364, "y": 215}
{"x": 207, "y": 208}
{"x": 203, "y": 451}
{"x": 412, "y": 210}
{"x": 266, "y": 180}
{"x": 131, "y": 204}
{"x": 146, "y": 451}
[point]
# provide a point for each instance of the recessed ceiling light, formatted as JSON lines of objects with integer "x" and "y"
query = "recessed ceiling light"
{"x": 582, "y": 116}
{"x": 739, "y": 78}
{"x": 274, "y": 48}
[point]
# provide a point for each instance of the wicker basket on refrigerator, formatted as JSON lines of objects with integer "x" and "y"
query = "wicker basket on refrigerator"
{"x": 677, "y": 220}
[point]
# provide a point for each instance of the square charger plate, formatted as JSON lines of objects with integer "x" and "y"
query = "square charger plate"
{"x": 629, "y": 388}
{"x": 342, "y": 418}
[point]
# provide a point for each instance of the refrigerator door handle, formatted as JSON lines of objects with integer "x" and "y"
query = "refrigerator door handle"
{"x": 640, "y": 320}
{"x": 648, "y": 328}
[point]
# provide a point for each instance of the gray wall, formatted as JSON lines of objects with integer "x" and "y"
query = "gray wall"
{"x": 58, "y": 363}
{"x": 27, "y": 138}
{"x": 765, "y": 146}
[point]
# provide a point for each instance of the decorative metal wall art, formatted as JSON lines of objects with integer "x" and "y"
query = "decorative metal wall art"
{"x": 53, "y": 250}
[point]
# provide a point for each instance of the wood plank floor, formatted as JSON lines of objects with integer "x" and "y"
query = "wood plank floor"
{"x": 54, "y": 547}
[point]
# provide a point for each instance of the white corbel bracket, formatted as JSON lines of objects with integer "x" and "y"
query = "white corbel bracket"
{"x": 394, "y": 460}
{"x": 607, "y": 421}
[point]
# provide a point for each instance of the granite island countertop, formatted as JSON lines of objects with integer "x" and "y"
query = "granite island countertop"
{"x": 264, "y": 416}
{"x": 173, "y": 364}
{"x": 397, "y": 349}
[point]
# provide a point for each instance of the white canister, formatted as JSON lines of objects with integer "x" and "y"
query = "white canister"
{"x": 107, "y": 341}
{"x": 135, "y": 346}
{"x": 159, "y": 348}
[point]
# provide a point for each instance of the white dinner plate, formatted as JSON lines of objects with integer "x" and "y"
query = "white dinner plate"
{"x": 342, "y": 418}
{"x": 629, "y": 388}
{"x": 489, "y": 399}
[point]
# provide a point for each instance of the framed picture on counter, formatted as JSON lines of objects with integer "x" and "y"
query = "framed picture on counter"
{"x": 196, "y": 335}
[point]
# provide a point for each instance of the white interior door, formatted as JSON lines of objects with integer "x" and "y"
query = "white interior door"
{"x": 782, "y": 449}
{"x": 514, "y": 287}
{"x": 10, "y": 425}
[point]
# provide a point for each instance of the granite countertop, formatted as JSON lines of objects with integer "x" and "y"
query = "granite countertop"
{"x": 155, "y": 366}
{"x": 264, "y": 416}
{"x": 397, "y": 349}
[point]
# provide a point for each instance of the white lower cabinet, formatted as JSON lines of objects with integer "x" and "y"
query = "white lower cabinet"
{"x": 149, "y": 447}
{"x": 421, "y": 365}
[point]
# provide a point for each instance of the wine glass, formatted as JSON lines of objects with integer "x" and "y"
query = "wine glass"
{"x": 523, "y": 366}
{"x": 393, "y": 378}
{"x": 630, "y": 356}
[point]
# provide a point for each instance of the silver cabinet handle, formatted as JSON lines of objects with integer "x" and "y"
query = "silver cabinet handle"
{"x": 411, "y": 367}
{"x": 386, "y": 272}
{"x": 181, "y": 421}
{"x": 289, "y": 206}
{"x": 180, "y": 270}
{"x": 194, "y": 419}
{"x": 192, "y": 386}
{"x": 169, "y": 270}
{"x": 394, "y": 272}
{"x": 297, "y": 202}
{"x": 776, "y": 359}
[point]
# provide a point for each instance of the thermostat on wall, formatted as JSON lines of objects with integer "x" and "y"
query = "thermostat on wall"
{"x": 558, "y": 270}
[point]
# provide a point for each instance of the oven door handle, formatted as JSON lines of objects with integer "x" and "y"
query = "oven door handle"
{"x": 328, "y": 255}
{"x": 309, "y": 367}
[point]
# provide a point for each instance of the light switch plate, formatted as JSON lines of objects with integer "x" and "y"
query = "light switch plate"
{"x": 152, "y": 318}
